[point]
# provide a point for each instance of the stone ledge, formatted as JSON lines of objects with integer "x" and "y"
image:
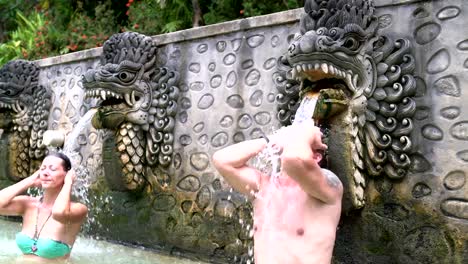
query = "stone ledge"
{"x": 71, "y": 57}
{"x": 279, "y": 18}
{"x": 383, "y": 3}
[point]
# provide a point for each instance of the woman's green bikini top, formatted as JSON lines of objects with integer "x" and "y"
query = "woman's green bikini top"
{"x": 42, "y": 247}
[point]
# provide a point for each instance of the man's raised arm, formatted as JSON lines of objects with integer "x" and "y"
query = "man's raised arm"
{"x": 300, "y": 160}
{"x": 231, "y": 162}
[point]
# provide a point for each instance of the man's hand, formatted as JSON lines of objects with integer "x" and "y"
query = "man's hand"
{"x": 303, "y": 134}
{"x": 313, "y": 135}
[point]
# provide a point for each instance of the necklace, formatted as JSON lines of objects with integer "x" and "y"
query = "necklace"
{"x": 37, "y": 234}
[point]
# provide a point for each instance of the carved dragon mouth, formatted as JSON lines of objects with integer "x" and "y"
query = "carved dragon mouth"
{"x": 13, "y": 114}
{"x": 334, "y": 85}
{"x": 324, "y": 70}
{"x": 113, "y": 100}
{"x": 17, "y": 108}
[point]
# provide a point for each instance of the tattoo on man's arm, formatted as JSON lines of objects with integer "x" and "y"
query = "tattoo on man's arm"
{"x": 332, "y": 180}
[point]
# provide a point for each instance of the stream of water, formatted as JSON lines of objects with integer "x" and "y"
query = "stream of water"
{"x": 71, "y": 149}
{"x": 305, "y": 110}
{"x": 70, "y": 144}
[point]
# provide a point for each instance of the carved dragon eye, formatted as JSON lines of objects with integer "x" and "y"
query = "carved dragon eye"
{"x": 291, "y": 48}
{"x": 10, "y": 92}
{"x": 126, "y": 77}
{"x": 351, "y": 44}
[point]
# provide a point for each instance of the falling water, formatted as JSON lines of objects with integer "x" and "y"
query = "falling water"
{"x": 268, "y": 160}
{"x": 71, "y": 148}
{"x": 70, "y": 145}
{"x": 305, "y": 110}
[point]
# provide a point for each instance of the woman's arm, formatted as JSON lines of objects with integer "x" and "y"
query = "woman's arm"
{"x": 12, "y": 202}
{"x": 231, "y": 162}
{"x": 64, "y": 210}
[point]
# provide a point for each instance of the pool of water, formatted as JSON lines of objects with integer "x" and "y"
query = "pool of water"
{"x": 86, "y": 251}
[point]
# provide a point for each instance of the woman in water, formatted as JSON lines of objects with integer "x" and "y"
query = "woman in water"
{"x": 51, "y": 222}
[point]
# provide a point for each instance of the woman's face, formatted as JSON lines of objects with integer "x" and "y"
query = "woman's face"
{"x": 52, "y": 172}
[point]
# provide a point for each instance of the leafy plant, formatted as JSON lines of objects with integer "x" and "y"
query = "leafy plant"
{"x": 41, "y": 34}
{"x": 262, "y": 7}
{"x": 222, "y": 10}
{"x": 8, "y": 18}
{"x": 35, "y": 29}
{"x": 25, "y": 39}
{"x": 84, "y": 32}
{"x": 153, "y": 17}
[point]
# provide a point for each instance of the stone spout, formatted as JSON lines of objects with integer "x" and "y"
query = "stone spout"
{"x": 54, "y": 138}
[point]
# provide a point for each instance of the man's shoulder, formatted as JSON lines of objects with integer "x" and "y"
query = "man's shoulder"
{"x": 332, "y": 179}
{"x": 330, "y": 174}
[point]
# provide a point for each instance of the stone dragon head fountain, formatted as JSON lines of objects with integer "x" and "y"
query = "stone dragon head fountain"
{"x": 366, "y": 85}
{"x": 138, "y": 101}
{"x": 24, "y": 112}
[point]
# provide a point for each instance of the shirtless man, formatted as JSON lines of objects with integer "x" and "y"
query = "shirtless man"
{"x": 296, "y": 214}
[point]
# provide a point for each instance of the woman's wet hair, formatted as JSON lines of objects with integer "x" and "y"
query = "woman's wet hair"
{"x": 65, "y": 160}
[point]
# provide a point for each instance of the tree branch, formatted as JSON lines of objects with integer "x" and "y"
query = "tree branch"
{"x": 197, "y": 19}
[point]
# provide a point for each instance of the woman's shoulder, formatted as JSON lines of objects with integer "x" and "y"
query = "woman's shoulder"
{"x": 79, "y": 208}
{"x": 77, "y": 203}
{"x": 28, "y": 200}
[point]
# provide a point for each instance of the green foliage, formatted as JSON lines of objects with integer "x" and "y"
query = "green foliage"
{"x": 8, "y": 17}
{"x": 222, "y": 10}
{"x": 153, "y": 17}
{"x": 35, "y": 29}
{"x": 262, "y": 7}
{"x": 84, "y": 32}
{"x": 23, "y": 42}
{"x": 43, "y": 34}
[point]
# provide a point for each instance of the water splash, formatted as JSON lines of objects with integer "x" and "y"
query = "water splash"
{"x": 268, "y": 161}
{"x": 87, "y": 250}
{"x": 306, "y": 109}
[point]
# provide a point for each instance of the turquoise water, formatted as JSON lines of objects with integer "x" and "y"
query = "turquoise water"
{"x": 86, "y": 251}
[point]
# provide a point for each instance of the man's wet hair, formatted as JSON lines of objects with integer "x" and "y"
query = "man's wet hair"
{"x": 65, "y": 160}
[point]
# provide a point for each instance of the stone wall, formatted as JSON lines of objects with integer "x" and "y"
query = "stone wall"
{"x": 227, "y": 82}
{"x": 422, "y": 219}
